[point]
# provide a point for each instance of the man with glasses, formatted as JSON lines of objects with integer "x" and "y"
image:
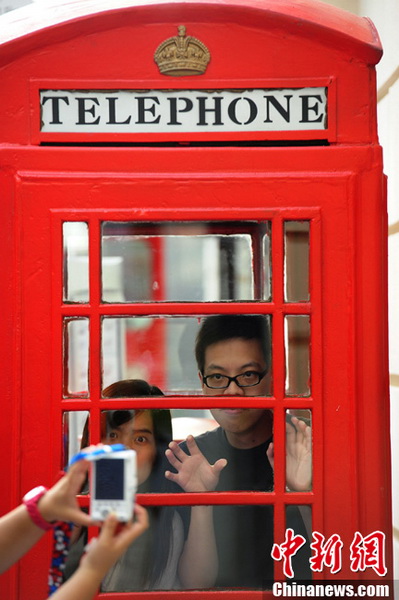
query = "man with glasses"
{"x": 233, "y": 357}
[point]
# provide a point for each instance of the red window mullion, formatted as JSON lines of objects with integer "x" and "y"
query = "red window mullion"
{"x": 194, "y": 402}
{"x": 95, "y": 261}
{"x": 95, "y": 355}
{"x": 171, "y": 308}
{"x": 279, "y": 451}
{"x": 57, "y": 341}
{"x": 316, "y": 375}
{"x": 279, "y": 473}
{"x": 277, "y": 324}
{"x": 206, "y": 498}
{"x": 277, "y": 247}
{"x": 188, "y": 594}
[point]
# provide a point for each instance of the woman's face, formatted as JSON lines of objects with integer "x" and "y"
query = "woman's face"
{"x": 137, "y": 434}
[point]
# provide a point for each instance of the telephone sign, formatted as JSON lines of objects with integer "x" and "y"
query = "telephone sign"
{"x": 161, "y": 111}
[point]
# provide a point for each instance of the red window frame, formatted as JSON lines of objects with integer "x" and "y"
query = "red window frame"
{"x": 278, "y": 308}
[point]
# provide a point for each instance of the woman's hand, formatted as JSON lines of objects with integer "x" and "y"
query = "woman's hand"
{"x": 60, "y": 503}
{"x": 113, "y": 541}
{"x": 102, "y": 553}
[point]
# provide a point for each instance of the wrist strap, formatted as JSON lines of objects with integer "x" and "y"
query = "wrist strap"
{"x": 30, "y": 501}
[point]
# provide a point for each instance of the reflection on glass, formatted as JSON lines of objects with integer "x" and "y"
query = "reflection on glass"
{"x": 191, "y": 422}
{"x": 157, "y": 349}
{"x": 299, "y": 519}
{"x": 267, "y": 267}
{"x": 182, "y": 370}
{"x": 75, "y": 431}
{"x": 116, "y": 342}
{"x": 76, "y": 357}
{"x": 297, "y": 355}
{"x": 299, "y": 437}
{"x": 76, "y": 262}
{"x": 187, "y": 261}
{"x": 296, "y": 267}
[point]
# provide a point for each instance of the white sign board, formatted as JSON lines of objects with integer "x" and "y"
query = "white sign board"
{"x": 171, "y": 111}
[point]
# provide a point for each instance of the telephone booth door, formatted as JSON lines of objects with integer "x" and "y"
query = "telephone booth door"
{"x": 120, "y": 244}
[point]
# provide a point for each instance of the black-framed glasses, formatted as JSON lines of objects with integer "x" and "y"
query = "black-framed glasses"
{"x": 216, "y": 381}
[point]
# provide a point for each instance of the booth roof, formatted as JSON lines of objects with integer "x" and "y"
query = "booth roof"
{"x": 22, "y": 29}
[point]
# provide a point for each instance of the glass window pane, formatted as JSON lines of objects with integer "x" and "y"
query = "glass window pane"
{"x": 299, "y": 519}
{"x": 161, "y": 350}
{"x": 299, "y": 448}
{"x": 75, "y": 433}
{"x": 116, "y": 342}
{"x": 297, "y": 355}
{"x": 184, "y": 421}
{"x": 245, "y": 538}
{"x": 150, "y": 432}
{"x": 237, "y": 528}
{"x": 202, "y": 261}
{"x": 76, "y": 357}
{"x": 267, "y": 268}
{"x": 187, "y": 422}
{"x": 244, "y": 557}
{"x": 76, "y": 262}
{"x": 296, "y": 236}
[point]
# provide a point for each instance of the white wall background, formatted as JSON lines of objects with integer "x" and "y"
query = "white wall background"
{"x": 7, "y": 5}
{"x": 385, "y": 16}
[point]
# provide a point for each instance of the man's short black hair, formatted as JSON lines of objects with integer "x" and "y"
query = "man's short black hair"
{"x": 219, "y": 328}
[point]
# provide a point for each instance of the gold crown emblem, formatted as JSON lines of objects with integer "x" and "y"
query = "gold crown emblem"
{"x": 182, "y": 55}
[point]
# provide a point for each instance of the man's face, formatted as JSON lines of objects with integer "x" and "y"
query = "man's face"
{"x": 233, "y": 357}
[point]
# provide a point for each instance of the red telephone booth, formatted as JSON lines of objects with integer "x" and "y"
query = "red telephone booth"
{"x": 165, "y": 161}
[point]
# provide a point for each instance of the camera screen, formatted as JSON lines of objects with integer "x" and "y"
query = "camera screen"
{"x": 109, "y": 479}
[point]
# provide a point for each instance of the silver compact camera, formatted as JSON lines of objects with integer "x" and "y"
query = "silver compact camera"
{"x": 113, "y": 485}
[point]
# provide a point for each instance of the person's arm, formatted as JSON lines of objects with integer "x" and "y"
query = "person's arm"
{"x": 298, "y": 455}
{"x": 18, "y": 532}
{"x": 198, "y": 565}
{"x": 102, "y": 553}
